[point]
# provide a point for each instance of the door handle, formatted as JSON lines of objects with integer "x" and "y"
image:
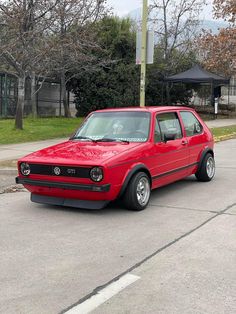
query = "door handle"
{"x": 184, "y": 142}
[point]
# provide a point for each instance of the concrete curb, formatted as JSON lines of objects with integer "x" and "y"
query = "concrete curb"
{"x": 8, "y": 171}
{"x": 224, "y": 137}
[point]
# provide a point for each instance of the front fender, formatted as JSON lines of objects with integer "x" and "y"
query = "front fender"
{"x": 135, "y": 169}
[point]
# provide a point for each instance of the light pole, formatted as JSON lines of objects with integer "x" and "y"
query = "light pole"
{"x": 143, "y": 53}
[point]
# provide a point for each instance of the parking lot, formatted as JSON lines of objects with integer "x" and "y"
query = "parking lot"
{"x": 182, "y": 250}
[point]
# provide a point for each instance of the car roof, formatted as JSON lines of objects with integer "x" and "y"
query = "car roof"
{"x": 147, "y": 109}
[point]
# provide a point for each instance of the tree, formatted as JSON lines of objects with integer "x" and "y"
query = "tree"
{"x": 156, "y": 93}
{"x": 115, "y": 84}
{"x": 22, "y": 42}
{"x": 175, "y": 25}
{"x": 225, "y": 9}
{"x": 71, "y": 40}
{"x": 218, "y": 52}
{"x": 46, "y": 37}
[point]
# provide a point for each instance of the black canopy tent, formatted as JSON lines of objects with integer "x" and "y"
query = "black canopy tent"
{"x": 197, "y": 75}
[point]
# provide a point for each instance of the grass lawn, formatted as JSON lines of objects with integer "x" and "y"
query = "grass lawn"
{"x": 37, "y": 129}
{"x": 226, "y": 130}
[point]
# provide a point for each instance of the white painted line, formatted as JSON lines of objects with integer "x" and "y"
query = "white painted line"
{"x": 103, "y": 295}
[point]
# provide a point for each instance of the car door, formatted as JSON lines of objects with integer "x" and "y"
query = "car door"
{"x": 171, "y": 153}
{"x": 195, "y": 137}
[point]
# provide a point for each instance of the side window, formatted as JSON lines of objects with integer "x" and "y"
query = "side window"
{"x": 191, "y": 124}
{"x": 169, "y": 124}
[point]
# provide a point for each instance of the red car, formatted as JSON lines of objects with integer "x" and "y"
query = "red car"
{"x": 120, "y": 153}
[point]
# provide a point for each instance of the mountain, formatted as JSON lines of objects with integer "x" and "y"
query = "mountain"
{"x": 209, "y": 25}
{"x": 212, "y": 25}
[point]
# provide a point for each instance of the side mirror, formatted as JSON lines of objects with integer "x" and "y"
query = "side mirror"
{"x": 169, "y": 137}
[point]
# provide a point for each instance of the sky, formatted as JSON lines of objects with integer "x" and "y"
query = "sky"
{"x": 123, "y": 7}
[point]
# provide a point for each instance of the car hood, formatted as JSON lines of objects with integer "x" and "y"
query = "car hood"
{"x": 76, "y": 152}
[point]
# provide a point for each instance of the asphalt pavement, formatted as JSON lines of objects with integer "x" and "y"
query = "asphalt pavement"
{"x": 177, "y": 256}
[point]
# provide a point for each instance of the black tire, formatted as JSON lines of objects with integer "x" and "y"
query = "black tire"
{"x": 133, "y": 197}
{"x": 206, "y": 170}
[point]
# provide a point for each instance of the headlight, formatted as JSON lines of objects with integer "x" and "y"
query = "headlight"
{"x": 25, "y": 169}
{"x": 96, "y": 174}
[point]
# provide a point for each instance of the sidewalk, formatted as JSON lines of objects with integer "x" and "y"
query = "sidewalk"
{"x": 16, "y": 151}
{"x": 9, "y": 154}
{"x": 220, "y": 123}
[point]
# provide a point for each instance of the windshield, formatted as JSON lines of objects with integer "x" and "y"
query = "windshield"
{"x": 129, "y": 126}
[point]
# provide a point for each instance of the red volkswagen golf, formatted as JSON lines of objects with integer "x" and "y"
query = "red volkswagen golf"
{"x": 120, "y": 153}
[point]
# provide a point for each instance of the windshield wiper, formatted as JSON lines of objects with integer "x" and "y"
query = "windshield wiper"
{"x": 103, "y": 139}
{"x": 107, "y": 139}
{"x": 82, "y": 138}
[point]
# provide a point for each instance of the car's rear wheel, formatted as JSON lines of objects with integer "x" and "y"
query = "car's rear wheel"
{"x": 138, "y": 192}
{"x": 206, "y": 171}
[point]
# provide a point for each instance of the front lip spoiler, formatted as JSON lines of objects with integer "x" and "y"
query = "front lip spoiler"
{"x": 59, "y": 201}
{"x": 64, "y": 185}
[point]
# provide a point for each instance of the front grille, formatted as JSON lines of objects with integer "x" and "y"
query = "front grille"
{"x": 64, "y": 171}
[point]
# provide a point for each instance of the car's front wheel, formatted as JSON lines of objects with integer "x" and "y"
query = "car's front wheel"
{"x": 138, "y": 192}
{"x": 206, "y": 171}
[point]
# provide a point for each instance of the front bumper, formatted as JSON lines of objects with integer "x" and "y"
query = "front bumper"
{"x": 64, "y": 185}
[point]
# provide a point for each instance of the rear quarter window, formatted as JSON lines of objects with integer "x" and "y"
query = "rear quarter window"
{"x": 191, "y": 124}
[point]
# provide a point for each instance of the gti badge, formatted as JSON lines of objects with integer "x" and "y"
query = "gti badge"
{"x": 71, "y": 171}
{"x": 57, "y": 171}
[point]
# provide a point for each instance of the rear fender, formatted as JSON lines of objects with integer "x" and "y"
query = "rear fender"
{"x": 206, "y": 151}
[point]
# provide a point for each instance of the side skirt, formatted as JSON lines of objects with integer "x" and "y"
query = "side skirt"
{"x": 174, "y": 171}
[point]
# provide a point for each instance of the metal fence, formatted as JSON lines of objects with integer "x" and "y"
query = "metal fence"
{"x": 8, "y": 95}
{"x": 228, "y": 95}
{"x": 48, "y": 99}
